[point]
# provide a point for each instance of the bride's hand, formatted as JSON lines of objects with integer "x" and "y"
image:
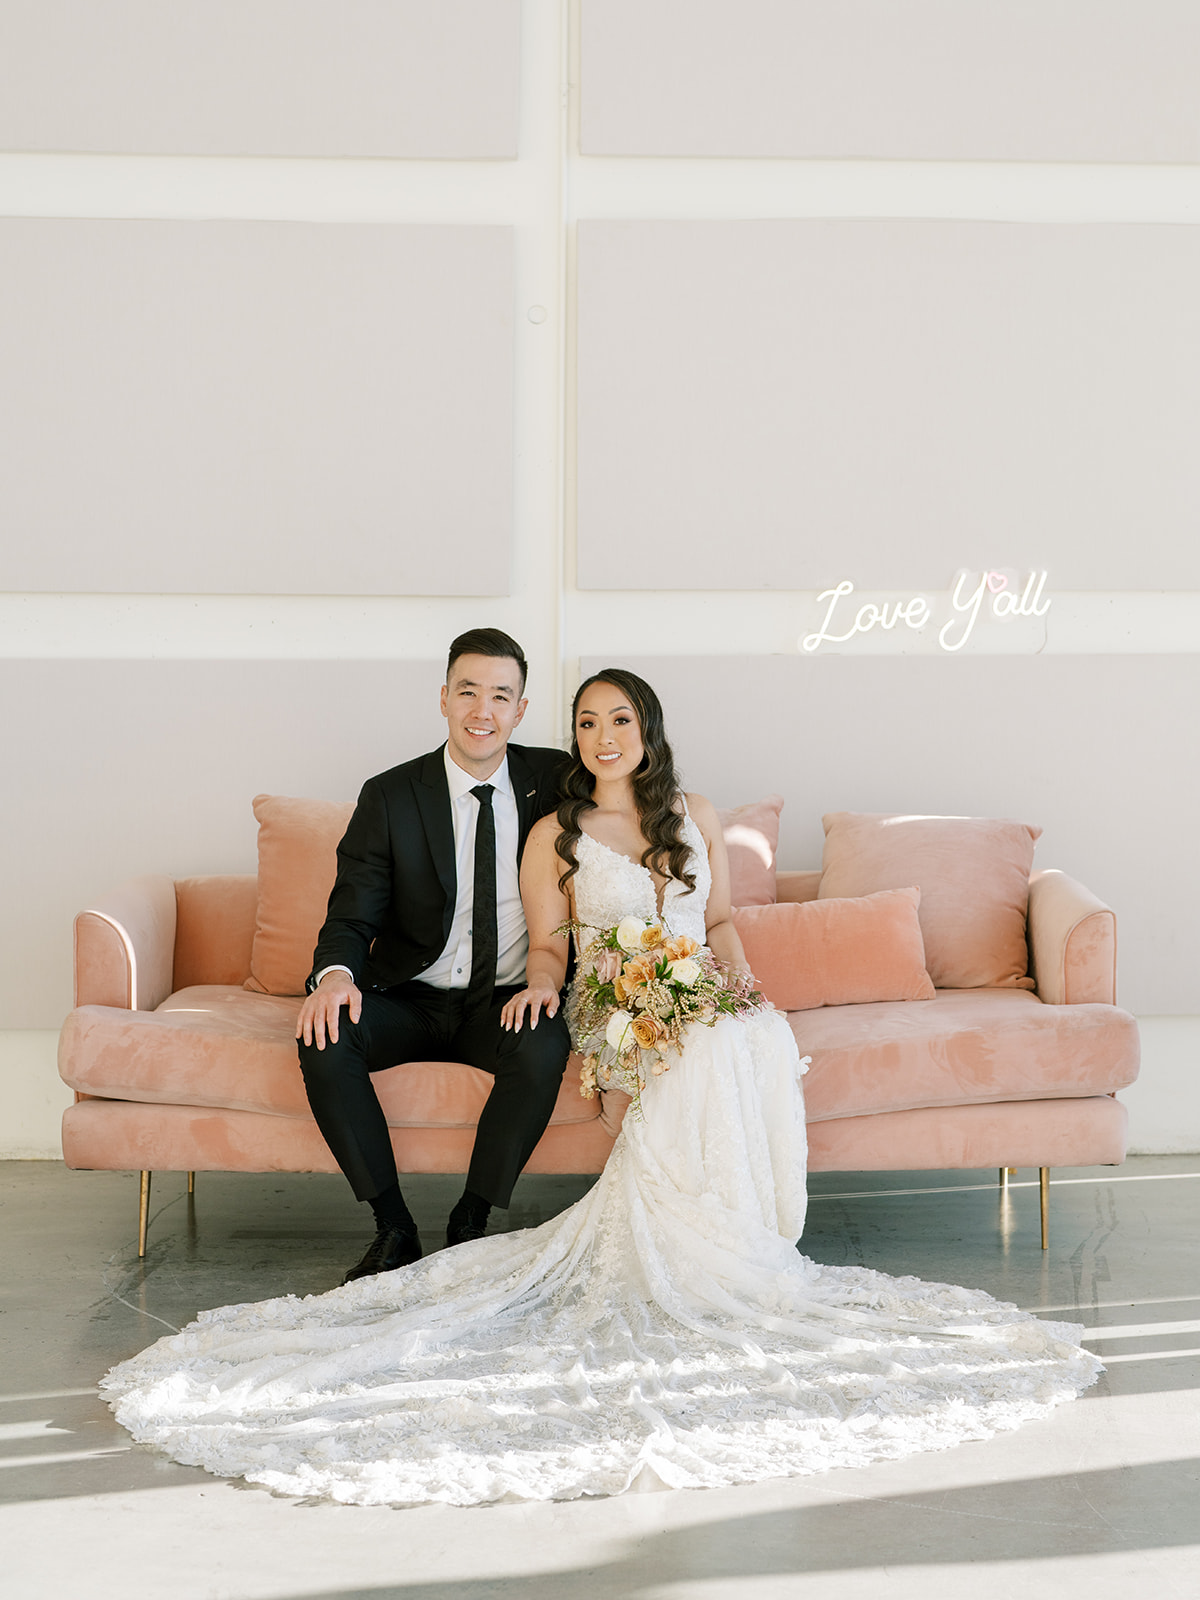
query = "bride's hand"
{"x": 741, "y": 982}
{"x": 534, "y": 997}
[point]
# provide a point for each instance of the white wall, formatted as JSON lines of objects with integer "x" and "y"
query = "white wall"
{"x": 577, "y": 333}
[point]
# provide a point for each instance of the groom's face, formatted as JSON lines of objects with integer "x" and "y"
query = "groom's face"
{"x": 482, "y": 704}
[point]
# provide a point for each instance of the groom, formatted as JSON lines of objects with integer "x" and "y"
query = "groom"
{"x": 423, "y": 943}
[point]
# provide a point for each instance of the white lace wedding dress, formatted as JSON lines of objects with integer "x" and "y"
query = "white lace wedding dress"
{"x": 663, "y": 1328}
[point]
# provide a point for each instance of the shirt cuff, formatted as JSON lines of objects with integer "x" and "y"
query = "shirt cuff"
{"x": 335, "y": 968}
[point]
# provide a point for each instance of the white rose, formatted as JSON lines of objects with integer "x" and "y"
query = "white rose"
{"x": 618, "y": 1027}
{"x": 685, "y": 971}
{"x": 629, "y": 934}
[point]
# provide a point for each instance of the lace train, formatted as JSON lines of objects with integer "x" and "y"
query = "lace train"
{"x": 664, "y": 1325}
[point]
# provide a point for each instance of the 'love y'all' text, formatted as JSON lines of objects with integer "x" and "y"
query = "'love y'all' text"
{"x": 971, "y": 590}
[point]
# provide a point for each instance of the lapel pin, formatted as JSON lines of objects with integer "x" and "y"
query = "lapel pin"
{"x": 531, "y": 794}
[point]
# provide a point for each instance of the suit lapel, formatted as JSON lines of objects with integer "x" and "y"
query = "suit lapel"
{"x": 525, "y": 789}
{"x": 433, "y": 802}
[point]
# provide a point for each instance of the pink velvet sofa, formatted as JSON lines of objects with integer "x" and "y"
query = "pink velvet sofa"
{"x": 178, "y": 1065}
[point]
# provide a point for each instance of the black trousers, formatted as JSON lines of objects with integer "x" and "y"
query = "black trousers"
{"x": 415, "y": 1022}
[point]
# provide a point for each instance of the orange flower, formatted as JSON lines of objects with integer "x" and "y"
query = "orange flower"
{"x": 680, "y": 948}
{"x": 638, "y": 972}
{"x": 647, "y": 1031}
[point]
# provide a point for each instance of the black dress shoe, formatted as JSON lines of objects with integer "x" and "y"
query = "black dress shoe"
{"x": 467, "y": 1221}
{"x": 389, "y": 1249}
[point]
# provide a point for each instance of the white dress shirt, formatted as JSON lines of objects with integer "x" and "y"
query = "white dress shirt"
{"x": 452, "y": 969}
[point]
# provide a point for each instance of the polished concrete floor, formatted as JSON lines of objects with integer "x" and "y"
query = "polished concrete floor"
{"x": 1102, "y": 1499}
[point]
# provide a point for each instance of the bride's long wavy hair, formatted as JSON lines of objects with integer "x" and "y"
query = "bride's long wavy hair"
{"x": 655, "y": 785}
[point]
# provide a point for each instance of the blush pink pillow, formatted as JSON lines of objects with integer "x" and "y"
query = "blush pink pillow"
{"x": 837, "y": 952}
{"x": 297, "y": 863}
{"x": 973, "y": 873}
{"x": 752, "y": 840}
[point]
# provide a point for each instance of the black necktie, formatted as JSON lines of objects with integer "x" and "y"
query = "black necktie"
{"x": 483, "y": 908}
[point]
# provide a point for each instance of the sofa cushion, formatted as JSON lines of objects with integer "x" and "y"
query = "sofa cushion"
{"x": 973, "y": 874}
{"x": 214, "y": 1045}
{"x": 964, "y": 1047}
{"x": 752, "y": 841}
{"x": 297, "y": 863}
{"x": 837, "y": 952}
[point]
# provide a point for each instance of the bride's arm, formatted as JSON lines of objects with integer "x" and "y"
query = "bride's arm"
{"x": 547, "y": 907}
{"x": 721, "y": 934}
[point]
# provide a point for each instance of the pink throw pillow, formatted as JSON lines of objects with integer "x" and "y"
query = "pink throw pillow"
{"x": 837, "y": 952}
{"x": 752, "y": 840}
{"x": 297, "y": 863}
{"x": 973, "y": 873}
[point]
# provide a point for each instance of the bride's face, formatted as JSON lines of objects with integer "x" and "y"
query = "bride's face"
{"x": 607, "y": 733}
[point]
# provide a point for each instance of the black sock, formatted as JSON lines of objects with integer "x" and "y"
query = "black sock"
{"x": 472, "y": 1202}
{"x": 391, "y": 1211}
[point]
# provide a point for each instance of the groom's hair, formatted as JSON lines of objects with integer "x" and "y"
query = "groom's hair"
{"x": 487, "y": 642}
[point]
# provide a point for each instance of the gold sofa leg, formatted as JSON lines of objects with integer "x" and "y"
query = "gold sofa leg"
{"x": 1005, "y": 1174}
{"x": 143, "y": 1213}
{"x": 1044, "y": 1189}
{"x": 191, "y": 1183}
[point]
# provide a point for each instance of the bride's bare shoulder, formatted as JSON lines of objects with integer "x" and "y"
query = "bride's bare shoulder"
{"x": 701, "y": 806}
{"x": 704, "y": 815}
{"x": 544, "y": 833}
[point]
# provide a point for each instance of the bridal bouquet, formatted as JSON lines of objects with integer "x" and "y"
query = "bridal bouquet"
{"x": 638, "y": 990}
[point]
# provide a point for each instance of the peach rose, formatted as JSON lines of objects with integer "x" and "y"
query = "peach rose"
{"x": 647, "y": 1031}
{"x": 652, "y": 936}
{"x": 680, "y": 948}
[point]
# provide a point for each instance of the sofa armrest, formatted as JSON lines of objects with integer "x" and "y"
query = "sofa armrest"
{"x": 1072, "y": 942}
{"x": 125, "y": 946}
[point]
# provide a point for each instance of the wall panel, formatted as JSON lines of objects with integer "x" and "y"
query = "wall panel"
{"x": 261, "y": 77}
{"x": 1094, "y": 748}
{"x": 784, "y": 404}
{"x": 255, "y": 408}
{"x": 130, "y": 767}
{"x": 915, "y": 80}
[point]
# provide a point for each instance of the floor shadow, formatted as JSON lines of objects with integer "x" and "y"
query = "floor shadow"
{"x": 1121, "y": 1510}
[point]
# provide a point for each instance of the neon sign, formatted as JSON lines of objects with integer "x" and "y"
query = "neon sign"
{"x": 971, "y": 592}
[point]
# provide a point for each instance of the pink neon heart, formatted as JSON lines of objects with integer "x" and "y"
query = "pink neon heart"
{"x": 996, "y": 581}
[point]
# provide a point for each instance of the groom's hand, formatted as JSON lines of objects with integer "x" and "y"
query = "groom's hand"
{"x": 320, "y": 1011}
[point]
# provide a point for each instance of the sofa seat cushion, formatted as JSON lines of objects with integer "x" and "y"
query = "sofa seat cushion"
{"x": 220, "y": 1046}
{"x": 965, "y": 1046}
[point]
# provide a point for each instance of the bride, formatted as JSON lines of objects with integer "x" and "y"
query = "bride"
{"x": 664, "y": 1329}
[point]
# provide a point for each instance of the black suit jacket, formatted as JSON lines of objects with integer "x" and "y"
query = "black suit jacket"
{"x": 393, "y": 901}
